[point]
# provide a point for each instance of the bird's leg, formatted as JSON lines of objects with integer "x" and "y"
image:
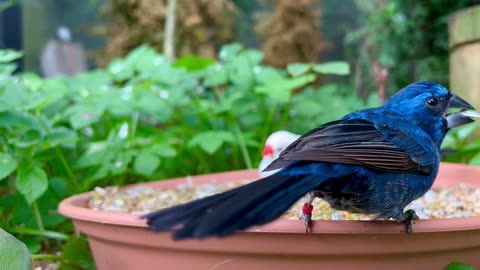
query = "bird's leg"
{"x": 307, "y": 210}
{"x": 409, "y": 216}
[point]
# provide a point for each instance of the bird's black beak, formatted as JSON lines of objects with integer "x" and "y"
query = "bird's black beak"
{"x": 463, "y": 116}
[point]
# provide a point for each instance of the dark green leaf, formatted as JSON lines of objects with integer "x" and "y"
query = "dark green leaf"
{"x": 459, "y": 266}
{"x": 77, "y": 251}
{"x": 33, "y": 244}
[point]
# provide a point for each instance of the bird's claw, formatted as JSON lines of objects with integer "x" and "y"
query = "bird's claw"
{"x": 307, "y": 215}
{"x": 307, "y": 219}
{"x": 409, "y": 216}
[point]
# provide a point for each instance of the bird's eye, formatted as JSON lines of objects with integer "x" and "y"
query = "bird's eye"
{"x": 432, "y": 102}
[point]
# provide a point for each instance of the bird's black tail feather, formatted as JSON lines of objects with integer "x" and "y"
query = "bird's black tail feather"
{"x": 256, "y": 203}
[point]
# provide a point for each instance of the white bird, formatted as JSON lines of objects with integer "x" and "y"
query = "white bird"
{"x": 274, "y": 145}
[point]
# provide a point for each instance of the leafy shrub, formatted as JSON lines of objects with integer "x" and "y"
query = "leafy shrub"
{"x": 143, "y": 118}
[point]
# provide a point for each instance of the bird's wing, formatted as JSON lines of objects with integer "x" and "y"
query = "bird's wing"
{"x": 358, "y": 142}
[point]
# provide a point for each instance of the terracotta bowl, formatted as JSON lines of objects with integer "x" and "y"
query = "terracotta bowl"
{"x": 122, "y": 241}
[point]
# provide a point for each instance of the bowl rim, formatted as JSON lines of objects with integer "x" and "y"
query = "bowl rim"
{"x": 75, "y": 208}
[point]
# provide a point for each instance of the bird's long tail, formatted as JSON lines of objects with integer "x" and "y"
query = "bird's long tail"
{"x": 256, "y": 203}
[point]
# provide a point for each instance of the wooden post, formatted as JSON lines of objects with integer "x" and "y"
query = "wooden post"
{"x": 169, "y": 41}
{"x": 464, "y": 44}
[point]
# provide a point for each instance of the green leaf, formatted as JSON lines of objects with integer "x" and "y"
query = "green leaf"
{"x": 146, "y": 162}
{"x": 164, "y": 150}
{"x": 335, "y": 68}
{"x": 31, "y": 181}
{"x": 60, "y": 136}
{"x": 77, "y": 251}
{"x": 14, "y": 254}
{"x": 465, "y": 131}
{"x": 307, "y": 107}
{"x": 154, "y": 106}
{"x": 7, "y": 69}
{"x": 8, "y": 55}
{"x": 26, "y": 139}
{"x": 211, "y": 141}
{"x": 475, "y": 161}
{"x": 7, "y": 165}
{"x": 297, "y": 69}
{"x": 119, "y": 164}
{"x": 193, "y": 63}
{"x": 33, "y": 244}
{"x": 254, "y": 56}
{"x": 216, "y": 75}
{"x": 38, "y": 232}
{"x": 281, "y": 89}
{"x": 459, "y": 266}
{"x": 229, "y": 51}
{"x": 19, "y": 119}
{"x": 84, "y": 117}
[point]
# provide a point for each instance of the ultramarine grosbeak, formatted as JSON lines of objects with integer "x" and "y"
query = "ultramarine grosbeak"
{"x": 373, "y": 161}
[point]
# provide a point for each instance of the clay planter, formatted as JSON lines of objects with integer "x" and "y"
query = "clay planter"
{"x": 122, "y": 241}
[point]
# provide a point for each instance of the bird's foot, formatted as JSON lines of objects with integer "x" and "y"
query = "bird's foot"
{"x": 308, "y": 208}
{"x": 409, "y": 216}
{"x": 307, "y": 215}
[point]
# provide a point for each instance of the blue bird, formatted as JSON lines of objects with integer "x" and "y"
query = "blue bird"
{"x": 372, "y": 161}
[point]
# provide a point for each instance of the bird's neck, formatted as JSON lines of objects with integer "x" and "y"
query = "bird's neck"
{"x": 436, "y": 128}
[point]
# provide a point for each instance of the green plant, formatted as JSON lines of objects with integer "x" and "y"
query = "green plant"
{"x": 142, "y": 118}
{"x": 408, "y": 38}
{"x": 464, "y": 145}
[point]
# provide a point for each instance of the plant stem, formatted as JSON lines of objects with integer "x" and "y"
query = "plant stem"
{"x": 268, "y": 121}
{"x": 169, "y": 40}
{"x": 285, "y": 115}
{"x": 60, "y": 155}
{"x": 243, "y": 146}
{"x": 38, "y": 217}
{"x": 67, "y": 168}
{"x": 134, "y": 124}
{"x": 35, "y": 232}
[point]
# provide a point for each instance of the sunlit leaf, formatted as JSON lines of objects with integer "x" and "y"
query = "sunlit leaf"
{"x": 335, "y": 68}
{"x": 31, "y": 181}
{"x": 7, "y": 165}
{"x": 211, "y": 141}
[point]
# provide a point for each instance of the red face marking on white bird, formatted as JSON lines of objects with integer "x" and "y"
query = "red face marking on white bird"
{"x": 267, "y": 151}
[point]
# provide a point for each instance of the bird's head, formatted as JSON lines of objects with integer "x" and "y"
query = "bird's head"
{"x": 277, "y": 142}
{"x": 428, "y": 104}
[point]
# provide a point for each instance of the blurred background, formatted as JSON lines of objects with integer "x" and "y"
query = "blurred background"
{"x": 409, "y": 39}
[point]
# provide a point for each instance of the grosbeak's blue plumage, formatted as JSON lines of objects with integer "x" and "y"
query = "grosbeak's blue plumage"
{"x": 373, "y": 161}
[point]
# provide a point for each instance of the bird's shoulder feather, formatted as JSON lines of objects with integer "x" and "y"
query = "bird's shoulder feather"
{"x": 386, "y": 144}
